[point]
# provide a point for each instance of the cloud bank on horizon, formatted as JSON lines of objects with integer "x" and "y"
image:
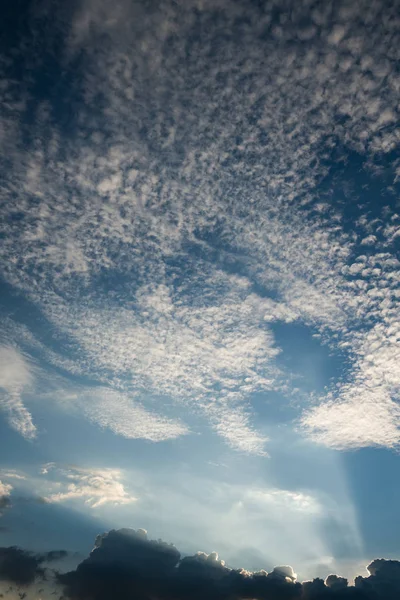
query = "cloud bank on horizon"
{"x": 125, "y": 563}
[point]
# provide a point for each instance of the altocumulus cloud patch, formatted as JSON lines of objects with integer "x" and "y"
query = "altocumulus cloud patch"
{"x": 186, "y": 180}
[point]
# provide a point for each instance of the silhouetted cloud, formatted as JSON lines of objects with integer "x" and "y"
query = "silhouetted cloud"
{"x": 336, "y": 583}
{"x": 21, "y": 567}
{"x": 126, "y": 564}
{"x": 384, "y": 581}
{"x": 53, "y": 555}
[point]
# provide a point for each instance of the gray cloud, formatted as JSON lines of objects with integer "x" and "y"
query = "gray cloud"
{"x": 127, "y": 564}
{"x": 19, "y": 566}
{"x": 384, "y": 581}
{"x": 22, "y": 567}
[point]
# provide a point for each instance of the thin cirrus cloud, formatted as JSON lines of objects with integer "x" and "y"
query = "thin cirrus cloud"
{"x": 131, "y": 243}
{"x": 121, "y": 413}
{"x": 285, "y": 500}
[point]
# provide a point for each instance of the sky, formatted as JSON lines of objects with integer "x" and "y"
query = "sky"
{"x": 199, "y": 292}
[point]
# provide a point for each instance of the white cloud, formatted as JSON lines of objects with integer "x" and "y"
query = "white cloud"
{"x": 368, "y": 419}
{"x": 96, "y": 487}
{"x": 126, "y": 417}
{"x": 366, "y": 410}
{"x": 47, "y": 467}
{"x": 15, "y": 377}
{"x": 233, "y": 425}
{"x": 189, "y": 353}
{"x": 12, "y": 474}
{"x": 285, "y": 500}
{"x": 5, "y": 489}
{"x": 370, "y": 240}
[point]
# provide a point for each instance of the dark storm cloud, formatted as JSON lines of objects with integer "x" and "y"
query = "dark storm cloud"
{"x": 384, "y": 581}
{"x": 336, "y": 583}
{"x": 53, "y": 555}
{"x": 126, "y": 564}
{"x": 19, "y": 566}
{"x": 22, "y": 567}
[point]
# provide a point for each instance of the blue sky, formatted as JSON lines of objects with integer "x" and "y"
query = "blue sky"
{"x": 199, "y": 278}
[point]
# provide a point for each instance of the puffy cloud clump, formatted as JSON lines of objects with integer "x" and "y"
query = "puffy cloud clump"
{"x": 125, "y": 563}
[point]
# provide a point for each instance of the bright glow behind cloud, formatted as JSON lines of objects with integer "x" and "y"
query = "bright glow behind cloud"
{"x": 96, "y": 486}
